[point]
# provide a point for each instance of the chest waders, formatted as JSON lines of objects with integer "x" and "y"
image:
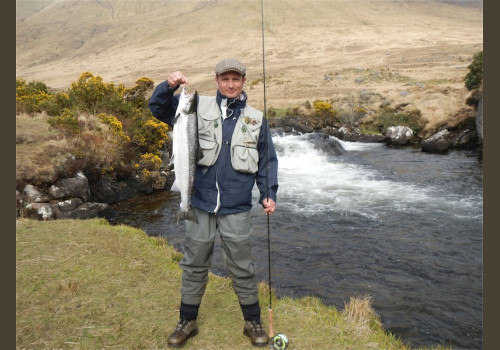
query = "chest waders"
{"x": 234, "y": 229}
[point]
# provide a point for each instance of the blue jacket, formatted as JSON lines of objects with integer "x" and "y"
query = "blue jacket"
{"x": 235, "y": 188}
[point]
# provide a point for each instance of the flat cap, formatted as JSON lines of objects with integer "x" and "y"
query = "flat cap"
{"x": 230, "y": 65}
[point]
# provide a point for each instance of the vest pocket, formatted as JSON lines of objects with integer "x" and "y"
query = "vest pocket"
{"x": 209, "y": 150}
{"x": 207, "y": 124}
{"x": 245, "y": 159}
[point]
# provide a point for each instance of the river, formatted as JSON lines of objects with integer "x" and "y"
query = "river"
{"x": 399, "y": 225}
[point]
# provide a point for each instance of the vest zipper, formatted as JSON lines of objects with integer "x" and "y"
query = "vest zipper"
{"x": 217, "y": 207}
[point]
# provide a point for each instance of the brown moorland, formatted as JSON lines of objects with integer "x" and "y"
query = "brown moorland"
{"x": 402, "y": 52}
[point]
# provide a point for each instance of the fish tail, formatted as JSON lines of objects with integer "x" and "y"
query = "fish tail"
{"x": 188, "y": 215}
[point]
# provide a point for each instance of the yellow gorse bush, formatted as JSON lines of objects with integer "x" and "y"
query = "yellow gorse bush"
{"x": 107, "y": 127}
{"x": 150, "y": 161}
{"x": 29, "y": 96}
{"x": 152, "y": 135}
{"x": 89, "y": 90}
{"x": 323, "y": 108}
{"x": 115, "y": 126}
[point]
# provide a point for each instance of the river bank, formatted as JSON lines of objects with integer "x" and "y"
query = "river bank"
{"x": 78, "y": 197}
{"x": 88, "y": 284}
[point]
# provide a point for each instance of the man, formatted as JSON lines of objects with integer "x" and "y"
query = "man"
{"x": 237, "y": 153}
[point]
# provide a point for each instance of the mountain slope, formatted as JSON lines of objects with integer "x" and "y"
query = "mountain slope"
{"x": 318, "y": 49}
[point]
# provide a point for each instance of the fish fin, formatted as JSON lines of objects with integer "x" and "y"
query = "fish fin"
{"x": 175, "y": 118}
{"x": 191, "y": 215}
{"x": 194, "y": 106}
{"x": 175, "y": 187}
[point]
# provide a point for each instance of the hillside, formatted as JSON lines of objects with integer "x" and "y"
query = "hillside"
{"x": 413, "y": 52}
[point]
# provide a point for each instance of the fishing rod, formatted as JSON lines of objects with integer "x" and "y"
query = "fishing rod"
{"x": 278, "y": 341}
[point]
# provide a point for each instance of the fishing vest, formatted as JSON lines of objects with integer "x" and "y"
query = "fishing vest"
{"x": 244, "y": 153}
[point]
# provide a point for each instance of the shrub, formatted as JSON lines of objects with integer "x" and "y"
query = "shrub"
{"x": 29, "y": 96}
{"x": 352, "y": 114}
{"x": 151, "y": 135}
{"x": 55, "y": 104}
{"x": 104, "y": 127}
{"x": 66, "y": 123}
{"x": 474, "y": 78}
{"x": 293, "y": 111}
{"x": 88, "y": 92}
{"x": 325, "y": 112}
{"x": 115, "y": 127}
{"x": 388, "y": 116}
{"x": 154, "y": 178}
{"x": 137, "y": 94}
{"x": 149, "y": 170}
{"x": 323, "y": 109}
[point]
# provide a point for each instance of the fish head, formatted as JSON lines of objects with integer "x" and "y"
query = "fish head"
{"x": 188, "y": 102}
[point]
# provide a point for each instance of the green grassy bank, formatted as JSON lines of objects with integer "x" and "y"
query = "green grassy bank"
{"x": 84, "y": 284}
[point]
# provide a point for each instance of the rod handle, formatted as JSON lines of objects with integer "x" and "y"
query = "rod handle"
{"x": 271, "y": 331}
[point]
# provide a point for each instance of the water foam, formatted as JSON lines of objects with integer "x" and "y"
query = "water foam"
{"x": 313, "y": 181}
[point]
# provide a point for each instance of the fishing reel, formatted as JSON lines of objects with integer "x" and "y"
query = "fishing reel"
{"x": 279, "y": 342}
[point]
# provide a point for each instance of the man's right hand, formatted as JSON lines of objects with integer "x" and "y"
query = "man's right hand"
{"x": 176, "y": 78}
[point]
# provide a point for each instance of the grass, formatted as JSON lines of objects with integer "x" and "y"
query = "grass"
{"x": 84, "y": 284}
{"x": 33, "y": 138}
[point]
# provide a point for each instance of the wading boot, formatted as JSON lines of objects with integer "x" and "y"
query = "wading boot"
{"x": 183, "y": 331}
{"x": 254, "y": 330}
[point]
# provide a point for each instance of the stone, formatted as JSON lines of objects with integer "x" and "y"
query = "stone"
{"x": 39, "y": 211}
{"x": 399, "y": 135}
{"x": 31, "y": 194}
{"x": 77, "y": 186}
{"x": 437, "y": 143}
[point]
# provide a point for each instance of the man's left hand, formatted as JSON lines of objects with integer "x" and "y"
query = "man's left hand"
{"x": 269, "y": 205}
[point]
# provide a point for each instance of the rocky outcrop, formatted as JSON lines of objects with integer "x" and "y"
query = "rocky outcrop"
{"x": 77, "y": 198}
{"x": 69, "y": 209}
{"x": 479, "y": 120}
{"x": 292, "y": 124}
{"x": 323, "y": 142}
{"x": 437, "y": 143}
{"x": 65, "y": 199}
{"x": 355, "y": 135}
{"x": 446, "y": 139}
{"x": 77, "y": 186}
{"x": 111, "y": 191}
{"x": 31, "y": 194}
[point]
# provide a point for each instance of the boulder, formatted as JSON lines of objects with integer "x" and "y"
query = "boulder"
{"x": 325, "y": 143}
{"x": 445, "y": 139}
{"x": 438, "y": 143}
{"x": 467, "y": 139}
{"x": 292, "y": 124}
{"x": 73, "y": 208}
{"x": 86, "y": 210}
{"x": 31, "y": 194}
{"x": 69, "y": 204}
{"x": 375, "y": 138}
{"x": 356, "y": 136}
{"x": 40, "y": 211}
{"x": 111, "y": 191}
{"x": 19, "y": 202}
{"x": 399, "y": 135}
{"x": 77, "y": 186}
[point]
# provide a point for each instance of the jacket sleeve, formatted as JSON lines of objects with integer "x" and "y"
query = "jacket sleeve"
{"x": 163, "y": 103}
{"x": 267, "y": 175}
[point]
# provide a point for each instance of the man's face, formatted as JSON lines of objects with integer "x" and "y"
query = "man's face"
{"x": 230, "y": 84}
